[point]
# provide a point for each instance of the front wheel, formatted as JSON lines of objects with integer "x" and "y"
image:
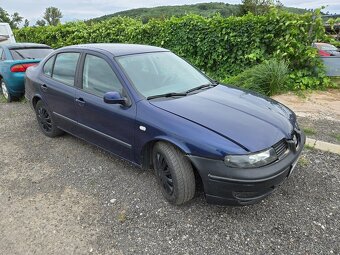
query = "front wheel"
{"x": 5, "y": 93}
{"x": 174, "y": 173}
{"x": 45, "y": 121}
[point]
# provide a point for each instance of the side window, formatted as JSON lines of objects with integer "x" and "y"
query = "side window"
{"x": 98, "y": 77}
{"x": 65, "y": 67}
{"x": 48, "y": 67}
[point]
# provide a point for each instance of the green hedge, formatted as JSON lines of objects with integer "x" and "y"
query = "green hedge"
{"x": 222, "y": 47}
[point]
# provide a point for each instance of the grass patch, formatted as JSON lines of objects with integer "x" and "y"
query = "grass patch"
{"x": 309, "y": 147}
{"x": 336, "y": 81}
{"x": 336, "y": 136}
{"x": 2, "y": 99}
{"x": 303, "y": 161}
{"x": 309, "y": 131}
{"x": 23, "y": 100}
{"x": 122, "y": 216}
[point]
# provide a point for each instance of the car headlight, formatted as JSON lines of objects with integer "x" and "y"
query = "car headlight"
{"x": 251, "y": 160}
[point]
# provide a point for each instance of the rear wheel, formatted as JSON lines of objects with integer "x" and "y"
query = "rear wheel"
{"x": 5, "y": 93}
{"x": 174, "y": 173}
{"x": 45, "y": 121}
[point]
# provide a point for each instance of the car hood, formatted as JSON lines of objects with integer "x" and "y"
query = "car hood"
{"x": 248, "y": 119}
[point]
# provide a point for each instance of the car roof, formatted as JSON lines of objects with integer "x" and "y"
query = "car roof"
{"x": 118, "y": 49}
{"x": 24, "y": 45}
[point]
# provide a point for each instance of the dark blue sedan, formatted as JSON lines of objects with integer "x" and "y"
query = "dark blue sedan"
{"x": 152, "y": 108}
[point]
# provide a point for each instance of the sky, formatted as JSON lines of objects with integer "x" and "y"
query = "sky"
{"x": 85, "y": 9}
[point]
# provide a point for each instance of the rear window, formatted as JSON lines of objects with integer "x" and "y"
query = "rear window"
{"x": 30, "y": 53}
{"x": 328, "y": 47}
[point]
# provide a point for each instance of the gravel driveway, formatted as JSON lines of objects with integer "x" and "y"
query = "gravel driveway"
{"x": 64, "y": 196}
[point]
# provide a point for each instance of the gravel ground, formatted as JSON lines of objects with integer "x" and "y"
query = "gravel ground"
{"x": 64, "y": 196}
{"x": 321, "y": 129}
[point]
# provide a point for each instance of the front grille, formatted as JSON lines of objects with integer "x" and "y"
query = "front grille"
{"x": 280, "y": 147}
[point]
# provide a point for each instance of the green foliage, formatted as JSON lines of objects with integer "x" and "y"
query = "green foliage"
{"x": 40, "y": 22}
{"x": 269, "y": 77}
{"x": 309, "y": 131}
{"x": 26, "y": 23}
{"x": 202, "y": 9}
{"x": 258, "y": 7}
{"x": 222, "y": 47}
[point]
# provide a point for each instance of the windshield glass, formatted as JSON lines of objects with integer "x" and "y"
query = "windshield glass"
{"x": 30, "y": 53}
{"x": 160, "y": 73}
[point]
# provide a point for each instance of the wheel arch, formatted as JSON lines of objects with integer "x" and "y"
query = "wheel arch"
{"x": 146, "y": 153}
{"x": 35, "y": 100}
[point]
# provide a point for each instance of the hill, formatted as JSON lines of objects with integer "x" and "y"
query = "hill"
{"x": 203, "y": 9}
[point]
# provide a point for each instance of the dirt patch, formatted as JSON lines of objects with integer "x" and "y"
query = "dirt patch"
{"x": 318, "y": 104}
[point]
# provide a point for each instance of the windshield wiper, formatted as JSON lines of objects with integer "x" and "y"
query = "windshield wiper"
{"x": 202, "y": 87}
{"x": 172, "y": 94}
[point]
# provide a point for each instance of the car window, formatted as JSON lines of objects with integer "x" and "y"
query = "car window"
{"x": 160, "y": 73}
{"x": 48, "y": 66}
{"x": 65, "y": 67}
{"x": 30, "y": 53}
{"x": 98, "y": 77}
{"x": 328, "y": 47}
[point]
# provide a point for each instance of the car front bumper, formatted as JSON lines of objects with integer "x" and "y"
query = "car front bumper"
{"x": 238, "y": 186}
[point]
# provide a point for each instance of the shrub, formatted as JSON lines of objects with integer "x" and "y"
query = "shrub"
{"x": 269, "y": 77}
{"x": 222, "y": 47}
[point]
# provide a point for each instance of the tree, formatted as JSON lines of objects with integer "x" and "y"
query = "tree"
{"x": 26, "y": 23}
{"x": 259, "y": 7}
{"x": 40, "y": 23}
{"x": 52, "y": 15}
{"x": 13, "y": 20}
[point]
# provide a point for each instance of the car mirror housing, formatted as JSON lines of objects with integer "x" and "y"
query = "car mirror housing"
{"x": 114, "y": 98}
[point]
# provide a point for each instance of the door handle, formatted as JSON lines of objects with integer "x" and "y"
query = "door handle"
{"x": 80, "y": 101}
{"x": 44, "y": 87}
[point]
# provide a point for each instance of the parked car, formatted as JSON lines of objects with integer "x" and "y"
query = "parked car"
{"x": 14, "y": 60}
{"x": 327, "y": 50}
{"x": 152, "y": 108}
{"x": 6, "y": 34}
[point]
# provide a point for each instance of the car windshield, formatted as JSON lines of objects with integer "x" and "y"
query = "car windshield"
{"x": 160, "y": 73}
{"x": 328, "y": 47}
{"x": 30, "y": 53}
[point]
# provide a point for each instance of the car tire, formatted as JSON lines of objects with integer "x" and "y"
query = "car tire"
{"x": 5, "y": 93}
{"x": 45, "y": 120}
{"x": 174, "y": 173}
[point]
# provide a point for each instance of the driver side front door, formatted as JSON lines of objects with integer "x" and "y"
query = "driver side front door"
{"x": 106, "y": 125}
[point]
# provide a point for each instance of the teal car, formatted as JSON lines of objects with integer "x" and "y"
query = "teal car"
{"x": 14, "y": 60}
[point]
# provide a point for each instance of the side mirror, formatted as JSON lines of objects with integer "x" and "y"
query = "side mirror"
{"x": 114, "y": 98}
